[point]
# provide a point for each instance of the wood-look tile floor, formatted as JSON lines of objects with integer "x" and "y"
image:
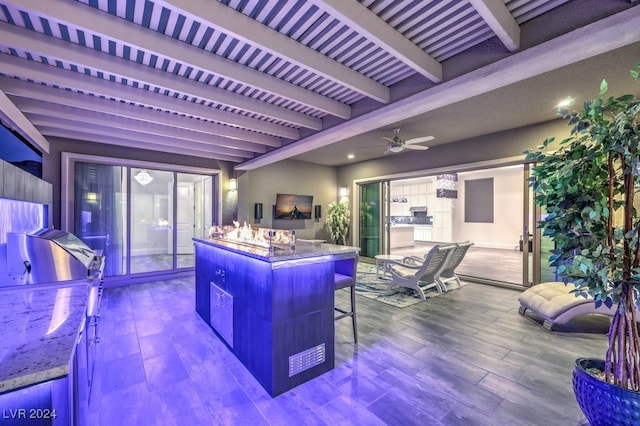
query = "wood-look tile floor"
{"x": 464, "y": 358}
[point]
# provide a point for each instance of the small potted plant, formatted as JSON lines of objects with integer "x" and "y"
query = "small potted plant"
{"x": 338, "y": 219}
{"x": 588, "y": 184}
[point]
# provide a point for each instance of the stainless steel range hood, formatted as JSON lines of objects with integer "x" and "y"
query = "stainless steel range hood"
{"x": 419, "y": 209}
{"x": 50, "y": 255}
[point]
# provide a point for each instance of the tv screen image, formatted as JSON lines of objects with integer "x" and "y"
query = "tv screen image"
{"x": 291, "y": 207}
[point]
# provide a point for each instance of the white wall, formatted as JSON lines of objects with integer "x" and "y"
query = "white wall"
{"x": 505, "y": 231}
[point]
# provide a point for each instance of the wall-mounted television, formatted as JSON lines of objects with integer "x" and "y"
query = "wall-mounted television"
{"x": 292, "y": 207}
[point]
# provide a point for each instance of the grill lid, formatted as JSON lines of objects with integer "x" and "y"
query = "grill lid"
{"x": 72, "y": 244}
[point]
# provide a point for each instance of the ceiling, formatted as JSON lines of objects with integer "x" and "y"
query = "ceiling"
{"x": 254, "y": 82}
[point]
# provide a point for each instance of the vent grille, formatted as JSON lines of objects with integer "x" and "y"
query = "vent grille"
{"x": 306, "y": 359}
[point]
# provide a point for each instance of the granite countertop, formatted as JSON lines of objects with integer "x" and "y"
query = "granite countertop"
{"x": 39, "y": 326}
{"x": 302, "y": 250}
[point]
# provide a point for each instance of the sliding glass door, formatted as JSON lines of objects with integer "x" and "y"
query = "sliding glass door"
{"x": 491, "y": 207}
{"x": 142, "y": 219}
{"x": 373, "y": 214}
{"x": 151, "y": 224}
{"x": 100, "y": 212}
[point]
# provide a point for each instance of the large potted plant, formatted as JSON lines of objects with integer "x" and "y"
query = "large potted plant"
{"x": 588, "y": 183}
{"x": 338, "y": 219}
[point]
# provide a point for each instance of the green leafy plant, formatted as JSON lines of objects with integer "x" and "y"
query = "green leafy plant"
{"x": 338, "y": 219}
{"x": 588, "y": 185}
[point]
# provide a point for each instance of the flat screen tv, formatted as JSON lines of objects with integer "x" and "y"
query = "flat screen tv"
{"x": 292, "y": 207}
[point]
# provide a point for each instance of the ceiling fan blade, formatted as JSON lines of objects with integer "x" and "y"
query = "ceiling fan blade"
{"x": 387, "y": 139}
{"x": 386, "y": 152}
{"x": 419, "y": 140}
{"x": 418, "y": 147}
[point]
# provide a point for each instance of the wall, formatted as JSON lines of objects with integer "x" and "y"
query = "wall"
{"x": 288, "y": 177}
{"x": 505, "y": 231}
{"x": 476, "y": 153}
{"x": 511, "y": 143}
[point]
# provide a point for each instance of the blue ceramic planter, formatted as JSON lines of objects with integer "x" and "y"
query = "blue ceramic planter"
{"x": 603, "y": 403}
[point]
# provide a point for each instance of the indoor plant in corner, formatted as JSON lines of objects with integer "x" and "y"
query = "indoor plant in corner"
{"x": 338, "y": 219}
{"x": 588, "y": 185}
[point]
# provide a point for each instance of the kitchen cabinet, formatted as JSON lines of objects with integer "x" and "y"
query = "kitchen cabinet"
{"x": 401, "y": 236}
{"x": 423, "y": 233}
{"x": 46, "y": 365}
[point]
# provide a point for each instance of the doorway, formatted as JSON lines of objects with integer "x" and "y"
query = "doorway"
{"x": 490, "y": 207}
{"x": 143, "y": 219}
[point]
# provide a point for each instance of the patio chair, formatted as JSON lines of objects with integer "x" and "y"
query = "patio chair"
{"x": 448, "y": 273}
{"x": 420, "y": 274}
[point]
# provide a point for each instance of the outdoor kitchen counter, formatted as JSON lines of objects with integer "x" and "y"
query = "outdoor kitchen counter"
{"x": 303, "y": 250}
{"x": 39, "y": 326}
{"x": 273, "y": 309}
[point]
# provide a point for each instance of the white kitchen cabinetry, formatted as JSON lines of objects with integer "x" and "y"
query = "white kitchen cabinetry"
{"x": 423, "y": 233}
{"x": 401, "y": 236}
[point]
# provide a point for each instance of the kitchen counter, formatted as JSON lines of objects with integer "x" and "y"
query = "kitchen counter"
{"x": 303, "y": 250}
{"x": 401, "y": 235}
{"x": 39, "y": 326}
{"x": 273, "y": 309}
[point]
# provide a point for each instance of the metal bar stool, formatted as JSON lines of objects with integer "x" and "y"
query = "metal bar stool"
{"x": 345, "y": 276}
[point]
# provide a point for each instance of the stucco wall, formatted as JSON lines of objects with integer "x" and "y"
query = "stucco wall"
{"x": 288, "y": 177}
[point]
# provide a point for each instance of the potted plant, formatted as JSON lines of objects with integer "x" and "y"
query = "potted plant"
{"x": 338, "y": 219}
{"x": 588, "y": 185}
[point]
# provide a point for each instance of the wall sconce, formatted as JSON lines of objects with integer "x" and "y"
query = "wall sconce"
{"x": 344, "y": 191}
{"x": 257, "y": 211}
{"x": 233, "y": 184}
{"x": 317, "y": 210}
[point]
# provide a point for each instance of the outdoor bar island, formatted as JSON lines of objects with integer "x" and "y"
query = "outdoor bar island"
{"x": 271, "y": 301}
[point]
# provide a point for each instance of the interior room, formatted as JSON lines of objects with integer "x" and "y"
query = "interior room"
{"x": 183, "y": 164}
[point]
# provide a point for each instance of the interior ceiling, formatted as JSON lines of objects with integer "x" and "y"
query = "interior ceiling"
{"x": 254, "y": 82}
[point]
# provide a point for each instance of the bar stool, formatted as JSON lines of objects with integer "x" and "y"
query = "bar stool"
{"x": 345, "y": 276}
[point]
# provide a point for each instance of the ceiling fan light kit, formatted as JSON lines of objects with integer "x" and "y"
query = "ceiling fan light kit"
{"x": 397, "y": 144}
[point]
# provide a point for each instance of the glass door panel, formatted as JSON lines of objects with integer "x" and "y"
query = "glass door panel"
{"x": 193, "y": 215}
{"x": 152, "y": 239}
{"x": 371, "y": 219}
{"x": 100, "y": 212}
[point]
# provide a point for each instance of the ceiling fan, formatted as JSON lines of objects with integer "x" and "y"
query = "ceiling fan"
{"x": 397, "y": 144}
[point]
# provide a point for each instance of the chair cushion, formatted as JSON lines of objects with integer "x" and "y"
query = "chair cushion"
{"x": 551, "y": 299}
{"x": 342, "y": 281}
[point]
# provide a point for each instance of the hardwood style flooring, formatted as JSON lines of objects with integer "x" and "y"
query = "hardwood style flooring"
{"x": 464, "y": 358}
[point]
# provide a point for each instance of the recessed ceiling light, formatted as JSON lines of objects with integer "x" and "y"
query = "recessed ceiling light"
{"x": 351, "y": 156}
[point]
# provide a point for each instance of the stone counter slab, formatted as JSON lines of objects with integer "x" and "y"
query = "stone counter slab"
{"x": 38, "y": 331}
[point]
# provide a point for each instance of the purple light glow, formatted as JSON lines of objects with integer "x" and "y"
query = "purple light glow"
{"x": 19, "y": 216}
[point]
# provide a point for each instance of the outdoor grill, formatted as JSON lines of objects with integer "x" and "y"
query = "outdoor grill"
{"x": 51, "y": 256}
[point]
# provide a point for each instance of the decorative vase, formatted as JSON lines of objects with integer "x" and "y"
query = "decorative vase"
{"x": 603, "y": 403}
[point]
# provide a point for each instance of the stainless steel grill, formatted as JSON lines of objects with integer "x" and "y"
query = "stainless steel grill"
{"x": 51, "y": 255}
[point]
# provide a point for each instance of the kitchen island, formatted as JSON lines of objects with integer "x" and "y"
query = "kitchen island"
{"x": 273, "y": 308}
{"x": 401, "y": 235}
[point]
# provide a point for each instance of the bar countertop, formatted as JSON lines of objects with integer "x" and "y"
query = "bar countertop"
{"x": 39, "y": 326}
{"x": 302, "y": 250}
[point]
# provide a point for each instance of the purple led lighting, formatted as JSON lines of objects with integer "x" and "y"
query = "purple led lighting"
{"x": 19, "y": 216}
